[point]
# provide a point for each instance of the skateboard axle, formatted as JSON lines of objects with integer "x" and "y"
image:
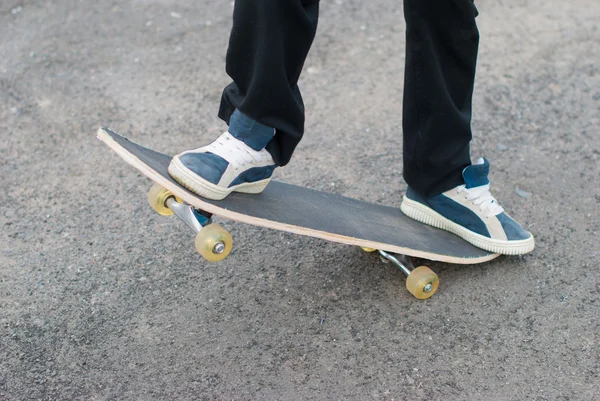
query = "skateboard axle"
{"x": 405, "y": 265}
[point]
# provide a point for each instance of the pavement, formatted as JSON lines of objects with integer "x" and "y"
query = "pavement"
{"x": 102, "y": 299}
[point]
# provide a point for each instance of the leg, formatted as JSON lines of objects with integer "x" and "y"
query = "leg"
{"x": 444, "y": 189}
{"x": 268, "y": 46}
{"x": 441, "y": 53}
{"x": 269, "y": 43}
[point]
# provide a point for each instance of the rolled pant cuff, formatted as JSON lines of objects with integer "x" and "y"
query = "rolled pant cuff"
{"x": 251, "y": 132}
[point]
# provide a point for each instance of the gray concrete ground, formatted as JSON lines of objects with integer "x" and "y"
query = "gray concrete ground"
{"x": 100, "y": 298}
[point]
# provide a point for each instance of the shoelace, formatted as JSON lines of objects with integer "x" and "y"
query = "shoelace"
{"x": 481, "y": 196}
{"x": 239, "y": 154}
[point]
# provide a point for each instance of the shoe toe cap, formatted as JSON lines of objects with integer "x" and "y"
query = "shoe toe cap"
{"x": 206, "y": 165}
{"x": 513, "y": 230}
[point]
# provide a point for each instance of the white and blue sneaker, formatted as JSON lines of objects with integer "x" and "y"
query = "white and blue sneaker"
{"x": 472, "y": 213}
{"x": 226, "y": 165}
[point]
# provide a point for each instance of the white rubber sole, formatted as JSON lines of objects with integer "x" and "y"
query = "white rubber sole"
{"x": 424, "y": 214}
{"x": 207, "y": 189}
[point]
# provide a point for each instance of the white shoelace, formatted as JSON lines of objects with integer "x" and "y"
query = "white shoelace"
{"x": 481, "y": 196}
{"x": 236, "y": 152}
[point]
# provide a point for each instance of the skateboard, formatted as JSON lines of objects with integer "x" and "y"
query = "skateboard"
{"x": 375, "y": 228}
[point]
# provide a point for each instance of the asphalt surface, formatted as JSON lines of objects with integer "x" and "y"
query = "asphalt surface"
{"x": 102, "y": 299}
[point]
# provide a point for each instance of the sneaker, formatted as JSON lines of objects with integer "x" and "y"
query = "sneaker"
{"x": 472, "y": 213}
{"x": 224, "y": 166}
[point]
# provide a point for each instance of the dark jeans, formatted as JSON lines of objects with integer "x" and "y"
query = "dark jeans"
{"x": 269, "y": 43}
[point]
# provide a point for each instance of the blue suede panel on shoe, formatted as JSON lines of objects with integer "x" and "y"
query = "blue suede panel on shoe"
{"x": 254, "y": 174}
{"x": 513, "y": 230}
{"x": 251, "y": 132}
{"x": 476, "y": 175}
{"x": 207, "y": 165}
{"x": 451, "y": 210}
{"x": 459, "y": 214}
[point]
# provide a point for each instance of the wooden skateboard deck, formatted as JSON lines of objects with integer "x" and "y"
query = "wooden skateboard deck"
{"x": 308, "y": 212}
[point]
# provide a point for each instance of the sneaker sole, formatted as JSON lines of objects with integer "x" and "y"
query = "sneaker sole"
{"x": 424, "y": 214}
{"x": 206, "y": 189}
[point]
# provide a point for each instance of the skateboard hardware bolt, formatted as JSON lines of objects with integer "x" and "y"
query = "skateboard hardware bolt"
{"x": 428, "y": 288}
{"x": 219, "y": 248}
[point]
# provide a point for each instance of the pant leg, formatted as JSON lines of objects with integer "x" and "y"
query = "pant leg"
{"x": 441, "y": 53}
{"x": 269, "y": 42}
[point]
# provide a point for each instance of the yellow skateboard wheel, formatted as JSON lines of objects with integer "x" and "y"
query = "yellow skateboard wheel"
{"x": 422, "y": 282}
{"x": 213, "y": 242}
{"x": 157, "y": 198}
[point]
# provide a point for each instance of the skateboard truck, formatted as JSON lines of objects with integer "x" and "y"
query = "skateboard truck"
{"x": 188, "y": 214}
{"x": 212, "y": 241}
{"x": 421, "y": 281}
